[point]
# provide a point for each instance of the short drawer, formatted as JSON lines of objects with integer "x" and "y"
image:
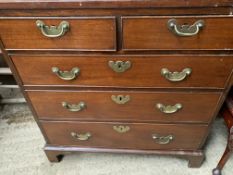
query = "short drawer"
{"x": 84, "y": 34}
{"x": 177, "y": 33}
{"x": 125, "y": 71}
{"x": 125, "y": 135}
{"x": 125, "y": 106}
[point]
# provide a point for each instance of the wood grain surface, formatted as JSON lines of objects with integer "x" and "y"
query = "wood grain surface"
{"x": 138, "y": 137}
{"x": 59, "y": 4}
{"x": 152, "y": 33}
{"x": 85, "y": 34}
{"x": 130, "y": 30}
{"x": 207, "y": 71}
{"x": 197, "y": 107}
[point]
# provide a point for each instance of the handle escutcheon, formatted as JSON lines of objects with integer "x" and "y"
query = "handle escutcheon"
{"x": 176, "y": 76}
{"x": 81, "y": 137}
{"x": 120, "y": 99}
{"x": 119, "y": 66}
{"x": 66, "y": 75}
{"x": 53, "y": 31}
{"x": 74, "y": 107}
{"x": 169, "y": 109}
{"x": 162, "y": 140}
{"x": 121, "y": 129}
{"x": 185, "y": 30}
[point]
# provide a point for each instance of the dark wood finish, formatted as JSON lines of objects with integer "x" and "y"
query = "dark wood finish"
{"x": 195, "y": 161}
{"x": 228, "y": 118}
{"x": 2, "y": 62}
{"x": 211, "y": 61}
{"x": 139, "y": 136}
{"x": 70, "y": 149}
{"x": 54, "y": 156}
{"x": 141, "y": 107}
{"x": 54, "y": 151}
{"x": 116, "y": 12}
{"x": 207, "y": 71}
{"x": 152, "y": 33}
{"x": 85, "y": 34}
{"x": 60, "y": 4}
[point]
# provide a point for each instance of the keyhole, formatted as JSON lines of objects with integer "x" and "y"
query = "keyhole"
{"x": 120, "y": 98}
{"x": 119, "y": 66}
{"x": 121, "y": 128}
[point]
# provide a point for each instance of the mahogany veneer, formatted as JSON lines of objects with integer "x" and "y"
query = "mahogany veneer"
{"x": 103, "y": 135}
{"x": 160, "y": 97}
{"x": 141, "y": 106}
{"x": 96, "y": 33}
{"x": 141, "y": 33}
{"x": 94, "y": 70}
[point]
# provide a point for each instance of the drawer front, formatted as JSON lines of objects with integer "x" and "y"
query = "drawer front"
{"x": 127, "y": 106}
{"x": 126, "y": 71}
{"x": 84, "y": 34}
{"x": 167, "y": 33}
{"x": 125, "y": 135}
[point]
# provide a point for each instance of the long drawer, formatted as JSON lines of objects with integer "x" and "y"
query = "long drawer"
{"x": 125, "y": 106}
{"x": 125, "y": 135}
{"x": 125, "y": 71}
{"x": 177, "y": 33}
{"x": 85, "y": 34}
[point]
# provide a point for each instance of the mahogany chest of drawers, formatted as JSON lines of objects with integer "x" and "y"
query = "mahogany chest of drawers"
{"x": 121, "y": 76}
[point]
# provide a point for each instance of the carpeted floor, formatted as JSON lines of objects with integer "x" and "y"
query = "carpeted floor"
{"x": 21, "y": 153}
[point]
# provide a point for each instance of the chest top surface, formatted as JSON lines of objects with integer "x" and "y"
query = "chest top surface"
{"x": 59, "y": 4}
